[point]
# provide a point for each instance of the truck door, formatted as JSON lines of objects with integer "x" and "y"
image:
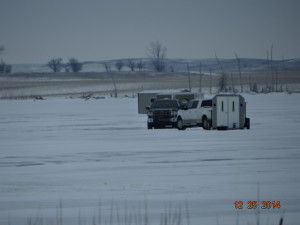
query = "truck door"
{"x": 186, "y": 114}
{"x": 194, "y": 112}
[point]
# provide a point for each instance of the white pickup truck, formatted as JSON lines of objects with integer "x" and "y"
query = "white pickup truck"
{"x": 197, "y": 112}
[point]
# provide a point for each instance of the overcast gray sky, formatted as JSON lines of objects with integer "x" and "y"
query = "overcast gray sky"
{"x": 34, "y": 31}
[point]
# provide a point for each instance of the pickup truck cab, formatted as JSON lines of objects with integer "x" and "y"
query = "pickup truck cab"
{"x": 197, "y": 112}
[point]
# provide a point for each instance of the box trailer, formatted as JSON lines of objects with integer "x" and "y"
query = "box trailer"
{"x": 145, "y": 98}
{"x": 229, "y": 112}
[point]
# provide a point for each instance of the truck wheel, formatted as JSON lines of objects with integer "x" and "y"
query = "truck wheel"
{"x": 206, "y": 123}
{"x": 247, "y": 123}
{"x": 180, "y": 125}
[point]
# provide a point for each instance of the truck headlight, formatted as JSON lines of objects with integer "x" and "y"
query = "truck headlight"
{"x": 150, "y": 114}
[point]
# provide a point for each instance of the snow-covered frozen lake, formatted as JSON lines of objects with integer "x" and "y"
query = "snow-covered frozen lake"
{"x": 74, "y": 153}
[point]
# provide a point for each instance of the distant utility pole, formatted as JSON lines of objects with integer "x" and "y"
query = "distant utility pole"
{"x": 250, "y": 82}
{"x": 232, "y": 84}
{"x": 276, "y": 80}
{"x": 188, "y": 69}
{"x": 272, "y": 67}
{"x": 266, "y": 80}
{"x": 210, "y": 82}
{"x": 200, "y": 78}
{"x": 239, "y": 64}
{"x": 284, "y": 74}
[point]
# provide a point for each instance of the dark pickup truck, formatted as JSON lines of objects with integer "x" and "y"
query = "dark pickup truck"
{"x": 163, "y": 113}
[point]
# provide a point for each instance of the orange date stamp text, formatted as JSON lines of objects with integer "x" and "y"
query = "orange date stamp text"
{"x": 255, "y": 205}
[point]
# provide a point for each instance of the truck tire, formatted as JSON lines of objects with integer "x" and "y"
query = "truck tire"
{"x": 180, "y": 125}
{"x": 247, "y": 123}
{"x": 206, "y": 123}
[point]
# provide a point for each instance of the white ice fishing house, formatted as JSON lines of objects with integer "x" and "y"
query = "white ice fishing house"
{"x": 229, "y": 112}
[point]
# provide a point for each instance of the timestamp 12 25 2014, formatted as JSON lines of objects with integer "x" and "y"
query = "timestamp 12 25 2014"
{"x": 255, "y": 205}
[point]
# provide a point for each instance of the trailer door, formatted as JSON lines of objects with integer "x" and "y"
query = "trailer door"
{"x": 233, "y": 112}
{"x": 222, "y": 111}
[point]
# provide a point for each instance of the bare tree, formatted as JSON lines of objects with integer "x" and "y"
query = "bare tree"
{"x": 131, "y": 65}
{"x": 157, "y": 53}
{"x": 2, "y": 49}
{"x": 240, "y": 74}
{"x": 75, "y": 65}
{"x": 55, "y": 65}
{"x": 107, "y": 67}
{"x": 4, "y": 68}
{"x": 119, "y": 65}
{"x": 222, "y": 83}
{"x": 189, "y": 76}
{"x": 140, "y": 65}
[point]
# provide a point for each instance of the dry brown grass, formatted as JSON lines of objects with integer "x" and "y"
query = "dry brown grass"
{"x": 76, "y": 84}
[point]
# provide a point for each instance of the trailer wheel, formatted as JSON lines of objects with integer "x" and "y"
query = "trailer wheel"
{"x": 180, "y": 125}
{"x": 247, "y": 123}
{"x": 206, "y": 123}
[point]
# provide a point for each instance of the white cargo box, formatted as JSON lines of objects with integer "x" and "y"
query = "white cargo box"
{"x": 229, "y": 112}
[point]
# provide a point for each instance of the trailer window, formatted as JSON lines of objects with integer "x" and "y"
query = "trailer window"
{"x": 232, "y": 106}
{"x": 222, "y": 106}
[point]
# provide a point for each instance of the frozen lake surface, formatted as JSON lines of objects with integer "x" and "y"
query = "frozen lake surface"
{"x": 75, "y": 153}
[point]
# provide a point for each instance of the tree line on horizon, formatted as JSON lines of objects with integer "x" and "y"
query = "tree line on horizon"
{"x": 4, "y": 68}
{"x": 156, "y": 53}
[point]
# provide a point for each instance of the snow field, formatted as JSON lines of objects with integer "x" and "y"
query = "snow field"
{"x": 79, "y": 152}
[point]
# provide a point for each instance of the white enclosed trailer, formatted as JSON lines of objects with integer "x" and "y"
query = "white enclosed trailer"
{"x": 145, "y": 99}
{"x": 229, "y": 112}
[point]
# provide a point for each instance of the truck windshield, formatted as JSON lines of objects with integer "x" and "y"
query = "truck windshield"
{"x": 165, "y": 104}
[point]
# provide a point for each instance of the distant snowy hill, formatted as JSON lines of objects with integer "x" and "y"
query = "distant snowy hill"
{"x": 177, "y": 65}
